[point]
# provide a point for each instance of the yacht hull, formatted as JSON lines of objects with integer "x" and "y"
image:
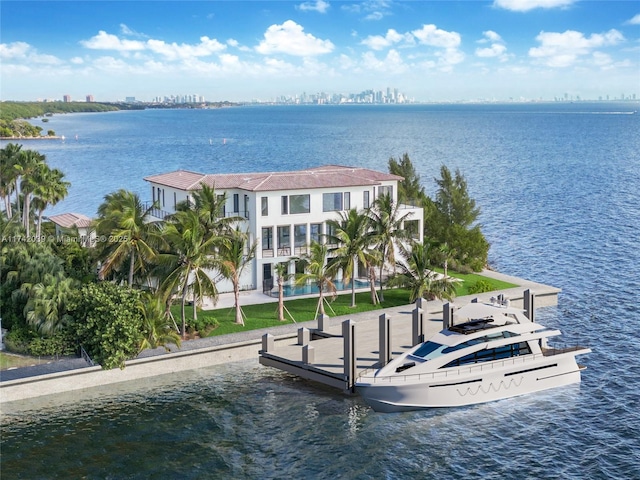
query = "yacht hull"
{"x": 489, "y": 383}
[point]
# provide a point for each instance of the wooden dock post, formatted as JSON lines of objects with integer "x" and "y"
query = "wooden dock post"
{"x": 349, "y": 336}
{"x": 447, "y": 315}
{"x": 529, "y": 304}
{"x": 268, "y": 342}
{"x": 417, "y": 330}
{"x": 384, "y": 323}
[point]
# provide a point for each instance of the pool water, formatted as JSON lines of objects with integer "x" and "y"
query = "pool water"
{"x": 295, "y": 290}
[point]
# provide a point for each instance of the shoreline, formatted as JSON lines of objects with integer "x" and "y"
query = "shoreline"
{"x": 20, "y": 384}
{"x": 7, "y": 139}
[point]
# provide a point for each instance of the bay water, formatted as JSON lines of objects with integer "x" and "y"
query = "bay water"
{"x": 559, "y": 189}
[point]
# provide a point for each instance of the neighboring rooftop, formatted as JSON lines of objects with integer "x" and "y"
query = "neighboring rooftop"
{"x": 327, "y": 176}
{"x": 71, "y": 220}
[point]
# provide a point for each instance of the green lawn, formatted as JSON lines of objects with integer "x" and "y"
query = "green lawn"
{"x": 9, "y": 360}
{"x": 266, "y": 315}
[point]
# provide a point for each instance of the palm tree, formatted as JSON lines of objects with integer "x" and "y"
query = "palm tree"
{"x": 282, "y": 271}
{"x": 188, "y": 260}
{"x": 50, "y": 189}
{"x": 8, "y": 174}
{"x": 210, "y": 209}
{"x": 417, "y": 275}
{"x": 125, "y": 222}
{"x": 233, "y": 257}
{"x": 29, "y": 163}
{"x": 158, "y": 331}
{"x": 386, "y": 223}
{"x": 351, "y": 234}
{"x": 47, "y": 309}
{"x": 446, "y": 254}
{"x": 317, "y": 271}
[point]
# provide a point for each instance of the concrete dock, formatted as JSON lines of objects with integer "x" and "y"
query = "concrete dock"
{"x": 336, "y": 354}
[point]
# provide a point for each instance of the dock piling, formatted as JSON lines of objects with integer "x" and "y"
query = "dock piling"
{"x": 349, "y": 336}
{"x": 268, "y": 342}
{"x": 529, "y": 304}
{"x": 308, "y": 354}
{"x": 447, "y": 315}
{"x": 417, "y": 329}
{"x": 384, "y": 323}
{"x": 323, "y": 320}
{"x": 304, "y": 336}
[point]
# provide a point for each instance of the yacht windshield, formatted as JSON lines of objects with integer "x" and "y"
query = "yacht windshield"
{"x": 429, "y": 350}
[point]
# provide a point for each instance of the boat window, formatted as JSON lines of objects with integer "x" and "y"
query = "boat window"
{"x": 475, "y": 341}
{"x": 429, "y": 350}
{"x": 487, "y": 355}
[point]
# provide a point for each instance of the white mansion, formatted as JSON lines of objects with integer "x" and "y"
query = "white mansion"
{"x": 283, "y": 211}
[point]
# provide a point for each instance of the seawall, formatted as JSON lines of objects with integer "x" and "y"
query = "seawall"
{"x": 228, "y": 348}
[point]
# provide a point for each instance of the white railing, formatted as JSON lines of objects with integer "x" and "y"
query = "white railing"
{"x": 450, "y": 373}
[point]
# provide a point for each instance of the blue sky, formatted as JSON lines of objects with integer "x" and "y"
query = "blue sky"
{"x": 242, "y": 50}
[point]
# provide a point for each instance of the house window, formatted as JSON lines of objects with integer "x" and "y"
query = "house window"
{"x": 265, "y": 206}
{"x": 315, "y": 232}
{"x": 299, "y": 204}
{"x": 221, "y": 199}
{"x": 385, "y": 190}
{"x": 284, "y": 240}
{"x": 331, "y": 231}
{"x": 331, "y": 202}
{"x": 246, "y": 206}
{"x": 299, "y": 236}
{"x": 347, "y": 200}
{"x": 236, "y": 203}
{"x": 267, "y": 238}
{"x": 365, "y": 199}
{"x": 285, "y": 205}
{"x": 175, "y": 200}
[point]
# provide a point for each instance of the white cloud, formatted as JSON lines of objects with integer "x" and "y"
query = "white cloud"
{"x": 319, "y": 6}
{"x": 435, "y": 37}
{"x": 235, "y": 44}
{"x": 13, "y": 50}
{"x": 497, "y": 48}
{"x": 173, "y": 51}
{"x": 634, "y": 21}
{"x": 378, "y": 42}
{"x": 77, "y": 60}
{"x": 290, "y": 38}
{"x": 22, "y": 52}
{"x": 107, "y": 41}
{"x": 564, "y": 49}
{"x": 490, "y": 36}
{"x": 373, "y": 9}
{"x": 125, "y": 30}
{"x": 526, "y": 5}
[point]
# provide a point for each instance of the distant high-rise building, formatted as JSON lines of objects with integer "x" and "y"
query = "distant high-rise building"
{"x": 130, "y": 99}
{"x": 89, "y": 99}
{"x": 66, "y": 98}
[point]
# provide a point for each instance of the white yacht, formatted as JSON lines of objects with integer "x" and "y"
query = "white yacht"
{"x": 493, "y": 351}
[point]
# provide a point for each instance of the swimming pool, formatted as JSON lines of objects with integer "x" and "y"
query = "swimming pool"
{"x": 294, "y": 290}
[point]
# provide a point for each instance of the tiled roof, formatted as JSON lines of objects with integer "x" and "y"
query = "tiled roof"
{"x": 70, "y": 220}
{"x": 328, "y": 176}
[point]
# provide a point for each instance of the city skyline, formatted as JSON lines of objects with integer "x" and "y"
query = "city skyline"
{"x": 263, "y": 50}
